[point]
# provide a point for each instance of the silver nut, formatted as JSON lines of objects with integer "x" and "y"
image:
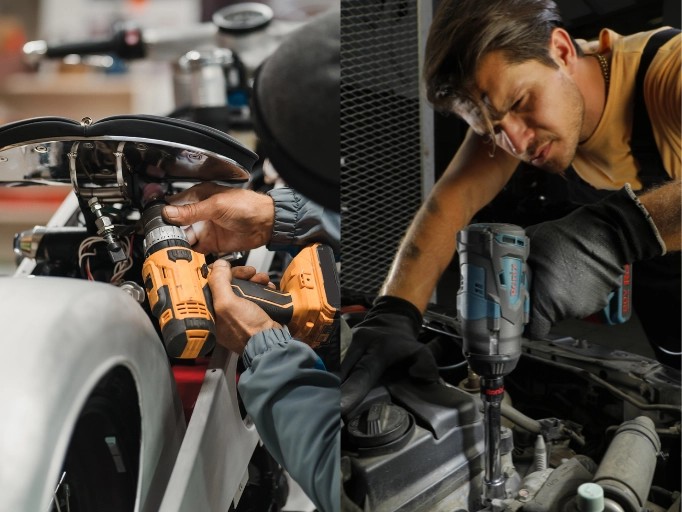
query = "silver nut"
{"x": 103, "y": 222}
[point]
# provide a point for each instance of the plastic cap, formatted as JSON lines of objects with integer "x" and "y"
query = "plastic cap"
{"x": 590, "y": 498}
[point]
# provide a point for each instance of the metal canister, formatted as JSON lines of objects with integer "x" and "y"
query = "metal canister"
{"x": 201, "y": 77}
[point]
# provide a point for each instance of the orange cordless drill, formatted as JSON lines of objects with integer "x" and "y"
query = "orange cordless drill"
{"x": 176, "y": 280}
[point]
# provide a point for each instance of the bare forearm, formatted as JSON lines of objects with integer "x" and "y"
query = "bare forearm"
{"x": 664, "y": 204}
{"x": 471, "y": 181}
{"x": 424, "y": 252}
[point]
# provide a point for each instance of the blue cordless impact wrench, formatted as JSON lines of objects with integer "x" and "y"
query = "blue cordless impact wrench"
{"x": 493, "y": 307}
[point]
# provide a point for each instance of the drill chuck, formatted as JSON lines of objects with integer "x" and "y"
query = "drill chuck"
{"x": 157, "y": 233}
{"x": 492, "y": 301}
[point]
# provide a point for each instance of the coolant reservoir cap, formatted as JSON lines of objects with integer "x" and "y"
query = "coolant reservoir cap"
{"x": 590, "y": 498}
{"x": 380, "y": 424}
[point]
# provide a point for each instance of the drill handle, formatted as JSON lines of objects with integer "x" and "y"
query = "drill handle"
{"x": 278, "y": 305}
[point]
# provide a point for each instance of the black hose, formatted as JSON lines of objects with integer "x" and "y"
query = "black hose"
{"x": 610, "y": 387}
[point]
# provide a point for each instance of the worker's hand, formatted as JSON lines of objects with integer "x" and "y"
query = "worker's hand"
{"x": 387, "y": 335}
{"x": 222, "y": 219}
{"x": 577, "y": 261}
{"x": 237, "y": 319}
{"x": 248, "y": 273}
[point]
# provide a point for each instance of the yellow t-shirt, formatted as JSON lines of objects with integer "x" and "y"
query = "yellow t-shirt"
{"x": 605, "y": 160}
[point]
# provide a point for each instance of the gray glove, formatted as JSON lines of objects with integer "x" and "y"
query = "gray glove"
{"x": 576, "y": 261}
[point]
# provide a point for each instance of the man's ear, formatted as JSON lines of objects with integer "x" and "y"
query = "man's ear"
{"x": 561, "y": 49}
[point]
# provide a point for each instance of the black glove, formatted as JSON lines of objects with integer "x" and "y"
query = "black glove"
{"x": 577, "y": 261}
{"x": 387, "y": 335}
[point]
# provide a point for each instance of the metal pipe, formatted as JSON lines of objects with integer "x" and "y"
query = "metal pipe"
{"x": 627, "y": 469}
{"x": 673, "y": 409}
{"x": 519, "y": 419}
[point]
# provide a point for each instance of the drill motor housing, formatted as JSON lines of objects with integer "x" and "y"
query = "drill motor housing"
{"x": 493, "y": 300}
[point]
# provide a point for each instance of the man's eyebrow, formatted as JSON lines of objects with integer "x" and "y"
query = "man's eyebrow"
{"x": 493, "y": 113}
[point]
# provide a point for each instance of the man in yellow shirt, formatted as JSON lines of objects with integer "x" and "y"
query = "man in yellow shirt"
{"x": 530, "y": 93}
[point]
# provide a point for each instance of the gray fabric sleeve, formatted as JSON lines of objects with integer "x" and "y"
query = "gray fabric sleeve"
{"x": 299, "y": 222}
{"x": 294, "y": 404}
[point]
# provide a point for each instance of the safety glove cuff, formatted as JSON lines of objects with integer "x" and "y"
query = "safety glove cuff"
{"x": 638, "y": 236}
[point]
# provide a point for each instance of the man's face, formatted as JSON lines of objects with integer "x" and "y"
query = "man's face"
{"x": 537, "y": 111}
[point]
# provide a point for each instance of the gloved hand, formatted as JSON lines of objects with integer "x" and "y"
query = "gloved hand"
{"x": 387, "y": 335}
{"x": 576, "y": 261}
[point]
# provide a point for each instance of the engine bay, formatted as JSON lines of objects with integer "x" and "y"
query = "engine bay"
{"x": 574, "y": 413}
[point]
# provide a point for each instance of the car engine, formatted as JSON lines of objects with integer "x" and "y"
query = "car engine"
{"x": 584, "y": 427}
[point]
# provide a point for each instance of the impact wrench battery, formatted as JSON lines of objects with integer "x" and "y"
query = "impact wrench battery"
{"x": 176, "y": 280}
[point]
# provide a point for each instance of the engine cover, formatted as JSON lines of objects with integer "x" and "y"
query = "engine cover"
{"x": 429, "y": 439}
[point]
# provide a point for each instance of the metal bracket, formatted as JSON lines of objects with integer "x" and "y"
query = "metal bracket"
{"x": 217, "y": 447}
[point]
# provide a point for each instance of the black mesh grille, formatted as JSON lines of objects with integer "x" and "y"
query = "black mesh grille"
{"x": 380, "y": 136}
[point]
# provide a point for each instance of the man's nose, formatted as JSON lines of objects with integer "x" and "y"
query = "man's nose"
{"x": 516, "y": 135}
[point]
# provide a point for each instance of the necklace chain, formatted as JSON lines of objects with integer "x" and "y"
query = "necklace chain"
{"x": 604, "y": 65}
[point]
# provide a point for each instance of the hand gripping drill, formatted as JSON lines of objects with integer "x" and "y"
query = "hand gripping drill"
{"x": 176, "y": 280}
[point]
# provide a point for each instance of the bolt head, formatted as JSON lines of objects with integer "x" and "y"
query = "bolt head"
{"x": 524, "y": 494}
